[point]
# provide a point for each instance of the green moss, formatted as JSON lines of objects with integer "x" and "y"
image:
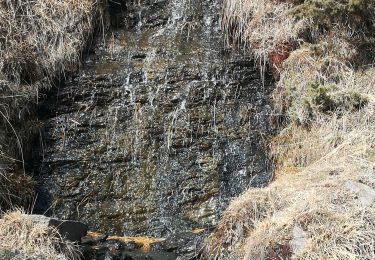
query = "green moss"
{"x": 324, "y": 99}
{"x": 328, "y": 99}
{"x": 6, "y": 254}
{"x": 329, "y": 11}
{"x": 320, "y": 96}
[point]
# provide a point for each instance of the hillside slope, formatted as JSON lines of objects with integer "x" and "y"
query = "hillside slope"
{"x": 321, "y": 203}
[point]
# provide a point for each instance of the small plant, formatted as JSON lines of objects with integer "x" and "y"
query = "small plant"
{"x": 15, "y": 189}
{"x": 326, "y": 99}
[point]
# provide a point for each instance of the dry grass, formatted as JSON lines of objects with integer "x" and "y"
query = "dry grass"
{"x": 321, "y": 208}
{"x": 263, "y": 26}
{"x": 321, "y": 205}
{"x": 319, "y": 78}
{"x": 297, "y": 147}
{"x": 15, "y": 189}
{"x": 40, "y": 40}
{"x": 34, "y": 240}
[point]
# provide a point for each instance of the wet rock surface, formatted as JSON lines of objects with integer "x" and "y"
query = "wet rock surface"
{"x": 186, "y": 245}
{"x": 182, "y": 246}
{"x": 105, "y": 252}
{"x": 161, "y": 127}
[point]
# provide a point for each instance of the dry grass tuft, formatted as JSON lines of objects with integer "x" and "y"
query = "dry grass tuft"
{"x": 15, "y": 189}
{"x": 34, "y": 240}
{"x": 264, "y": 26}
{"x": 42, "y": 38}
{"x": 320, "y": 79}
{"x": 328, "y": 12}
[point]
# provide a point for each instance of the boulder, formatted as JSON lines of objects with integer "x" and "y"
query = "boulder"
{"x": 68, "y": 229}
{"x": 299, "y": 240}
{"x": 90, "y": 240}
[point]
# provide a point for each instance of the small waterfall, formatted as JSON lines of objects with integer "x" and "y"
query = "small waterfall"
{"x": 160, "y": 129}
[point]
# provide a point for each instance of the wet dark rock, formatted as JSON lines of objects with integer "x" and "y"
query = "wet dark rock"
{"x": 186, "y": 246}
{"x": 160, "y": 129}
{"x": 114, "y": 245}
{"x": 68, "y": 229}
{"x": 104, "y": 253}
{"x": 90, "y": 240}
{"x": 115, "y": 250}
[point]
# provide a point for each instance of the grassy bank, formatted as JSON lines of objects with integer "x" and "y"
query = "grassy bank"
{"x": 39, "y": 42}
{"x": 320, "y": 204}
{"x": 21, "y": 238}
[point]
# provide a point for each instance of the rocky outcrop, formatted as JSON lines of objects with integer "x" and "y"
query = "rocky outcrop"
{"x": 162, "y": 126}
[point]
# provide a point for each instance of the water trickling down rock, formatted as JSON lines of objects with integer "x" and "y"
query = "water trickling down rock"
{"x": 161, "y": 127}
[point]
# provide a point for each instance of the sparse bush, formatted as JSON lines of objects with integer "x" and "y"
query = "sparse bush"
{"x": 15, "y": 189}
{"x": 319, "y": 79}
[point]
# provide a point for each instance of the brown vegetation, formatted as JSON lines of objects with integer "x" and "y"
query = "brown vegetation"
{"x": 266, "y": 28}
{"x": 321, "y": 204}
{"x": 39, "y": 41}
{"x": 34, "y": 240}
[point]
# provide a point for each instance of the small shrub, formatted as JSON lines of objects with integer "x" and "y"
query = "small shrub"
{"x": 318, "y": 78}
{"x": 15, "y": 189}
{"x": 326, "y": 99}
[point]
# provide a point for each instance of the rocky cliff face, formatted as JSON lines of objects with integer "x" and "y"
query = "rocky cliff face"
{"x": 161, "y": 127}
